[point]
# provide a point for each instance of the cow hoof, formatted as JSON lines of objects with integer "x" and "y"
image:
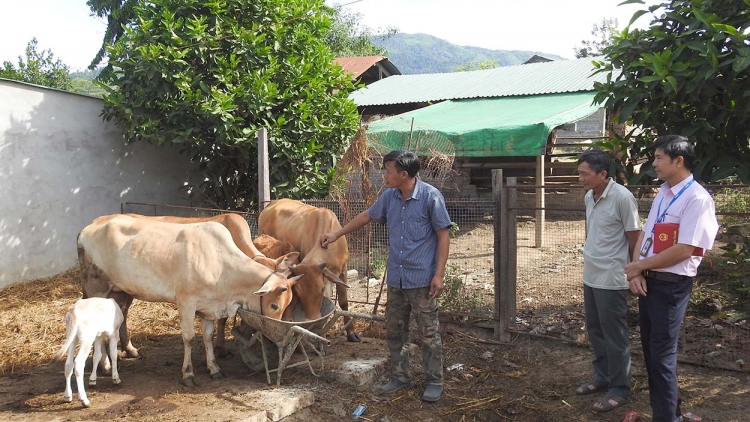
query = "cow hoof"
{"x": 189, "y": 382}
{"x": 353, "y": 337}
{"x": 132, "y": 353}
{"x": 68, "y": 399}
{"x": 217, "y": 376}
{"x": 116, "y": 381}
{"x": 87, "y": 404}
{"x": 92, "y": 383}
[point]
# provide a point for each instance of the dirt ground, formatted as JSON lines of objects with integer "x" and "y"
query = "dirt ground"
{"x": 532, "y": 379}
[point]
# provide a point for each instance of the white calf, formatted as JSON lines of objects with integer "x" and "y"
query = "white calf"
{"x": 90, "y": 321}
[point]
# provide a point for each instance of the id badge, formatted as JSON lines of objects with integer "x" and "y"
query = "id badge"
{"x": 646, "y": 246}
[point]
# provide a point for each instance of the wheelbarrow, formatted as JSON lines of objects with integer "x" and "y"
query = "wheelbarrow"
{"x": 268, "y": 344}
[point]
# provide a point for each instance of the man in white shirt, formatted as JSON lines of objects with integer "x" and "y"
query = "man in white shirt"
{"x": 663, "y": 279}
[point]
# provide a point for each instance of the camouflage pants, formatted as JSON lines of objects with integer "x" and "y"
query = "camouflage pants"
{"x": 400, "y": 306}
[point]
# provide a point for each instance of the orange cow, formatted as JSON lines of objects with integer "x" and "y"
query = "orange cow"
{"x": 302, "y": 225}
{"x": 272, "y": 247}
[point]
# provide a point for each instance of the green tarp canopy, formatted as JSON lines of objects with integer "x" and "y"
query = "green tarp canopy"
{"x": 486, "y": 127}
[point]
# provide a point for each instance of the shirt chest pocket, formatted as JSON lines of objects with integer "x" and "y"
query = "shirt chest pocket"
{"x": 419, "y": 228}
{"x": 673, "y": 219}
{"x": 608, "y": 224}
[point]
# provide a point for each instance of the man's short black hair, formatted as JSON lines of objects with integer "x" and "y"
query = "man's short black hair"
{"x": 404, "y": 160}
{"x": 598, "y": 160}
{"x": 676, "y": 146}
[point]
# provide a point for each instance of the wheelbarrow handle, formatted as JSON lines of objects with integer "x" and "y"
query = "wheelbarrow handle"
{"x": 307, "y": 333}
{"x": 359, "y": 315}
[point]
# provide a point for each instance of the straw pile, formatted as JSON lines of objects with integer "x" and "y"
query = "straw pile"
{"x": 32, "y": 320}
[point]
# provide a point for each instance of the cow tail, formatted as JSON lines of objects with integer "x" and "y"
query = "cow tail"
{"x": 71, "y": 325}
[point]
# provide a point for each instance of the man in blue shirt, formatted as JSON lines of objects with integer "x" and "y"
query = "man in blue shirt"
{"x": 419, "y": 240}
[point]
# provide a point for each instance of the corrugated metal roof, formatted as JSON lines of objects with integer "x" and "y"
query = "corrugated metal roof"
{"x": 526, "y": 79}
{"x": 359, "y": 65}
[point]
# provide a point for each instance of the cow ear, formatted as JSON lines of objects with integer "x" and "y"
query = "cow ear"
{"x": 285, "y": 262}
{"x": 262, "y": 291}
{"x": 333, "y": 278}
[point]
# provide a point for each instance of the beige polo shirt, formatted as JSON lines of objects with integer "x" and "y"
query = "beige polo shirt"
{"x": 605, "y": 253}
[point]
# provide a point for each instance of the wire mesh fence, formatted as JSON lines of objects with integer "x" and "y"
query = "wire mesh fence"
{"x": 549, "y": 290}
{"x": 715, "y": 331}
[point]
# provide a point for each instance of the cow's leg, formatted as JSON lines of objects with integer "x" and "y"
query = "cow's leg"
{"x": 68, "y": 395}
{"x": 207, "y": 328}
{"x": 98, "y": 345}
{"x": 80, "y": 363}
{"x": 125, "y": 300}
{"x": 113, "y": 353}
{"x": 104, "y": 363}
{"x": 221, "y": 344}
{"x": 188, "y": 334}
{"x": 343, "y": 296}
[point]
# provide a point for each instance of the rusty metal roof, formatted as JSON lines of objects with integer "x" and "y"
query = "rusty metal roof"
{"x": 526, "y": 79}
{"x": 359, "y": 65}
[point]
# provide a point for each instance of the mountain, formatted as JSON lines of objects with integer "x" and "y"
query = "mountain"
{"x": 86, "y": 74}
{"x": 422, "y": 53}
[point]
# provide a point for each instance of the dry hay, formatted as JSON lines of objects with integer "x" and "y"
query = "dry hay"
{"x": 32, "y": 320}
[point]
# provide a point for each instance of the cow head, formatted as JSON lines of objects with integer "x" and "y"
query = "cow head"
{"x": 280, "y": 264}
{"x": 276, "y": 294}
{"x": 311, "y": 287}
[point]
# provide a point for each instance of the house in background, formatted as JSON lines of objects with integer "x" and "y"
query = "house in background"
{"x": 510, "y": 117}
{"x": 368, "y": 69}
{"x": 513, "y": 118}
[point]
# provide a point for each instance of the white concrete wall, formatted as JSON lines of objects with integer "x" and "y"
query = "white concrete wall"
{"x": 61, "y": 166}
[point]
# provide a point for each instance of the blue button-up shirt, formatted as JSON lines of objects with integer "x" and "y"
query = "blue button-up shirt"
{"x": 412, "y": 259}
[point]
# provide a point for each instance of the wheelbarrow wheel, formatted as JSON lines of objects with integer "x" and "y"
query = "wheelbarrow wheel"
{"x": 253, "y": 355}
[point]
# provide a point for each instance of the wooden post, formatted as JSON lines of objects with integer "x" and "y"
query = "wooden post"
{"x": 264, "y": 185}
{"x": 539, "y": 225}
{"x": 500, "y": 255}
{"x": 511, "y": 264}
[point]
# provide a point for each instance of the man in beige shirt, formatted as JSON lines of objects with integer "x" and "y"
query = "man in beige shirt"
{"x": 612, "y": 229}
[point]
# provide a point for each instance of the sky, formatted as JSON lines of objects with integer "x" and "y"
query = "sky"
{"x": 549, "y": 26}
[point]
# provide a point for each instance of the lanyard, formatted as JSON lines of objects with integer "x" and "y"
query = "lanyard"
{"x": 662, "y": 215}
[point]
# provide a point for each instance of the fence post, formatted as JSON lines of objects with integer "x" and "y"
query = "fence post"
{"x": 500, "y": 254}
{"x": 264, "y": 185}
{"x": 539, "y": 196}
{"x": 511, "y": 230}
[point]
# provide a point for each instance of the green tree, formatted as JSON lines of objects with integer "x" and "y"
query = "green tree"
{"x": 39, "y": 67}
{"x": 207, "y": 75}
{"x": 348, "y": 37}
{"x": 486, "y": 64}
{"x": 686, "y": 74}
{"x": 119, "y": 14}
{"x": 603, "y": 35}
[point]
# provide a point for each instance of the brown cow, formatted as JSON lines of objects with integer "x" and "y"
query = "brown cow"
{"x": 197, "y": 267}
{"x": 272, "y": 247}
{"x": 302, "y": 225}
{"x": 242, "y": 237}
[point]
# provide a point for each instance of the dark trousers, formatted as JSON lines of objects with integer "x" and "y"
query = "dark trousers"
{"x": 661, "y": 313}
{"x": 607, "y": 326}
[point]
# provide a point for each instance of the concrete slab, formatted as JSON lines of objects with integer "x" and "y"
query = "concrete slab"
{"x": 356, "y": 364}
{"x": 275, "y": 404}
